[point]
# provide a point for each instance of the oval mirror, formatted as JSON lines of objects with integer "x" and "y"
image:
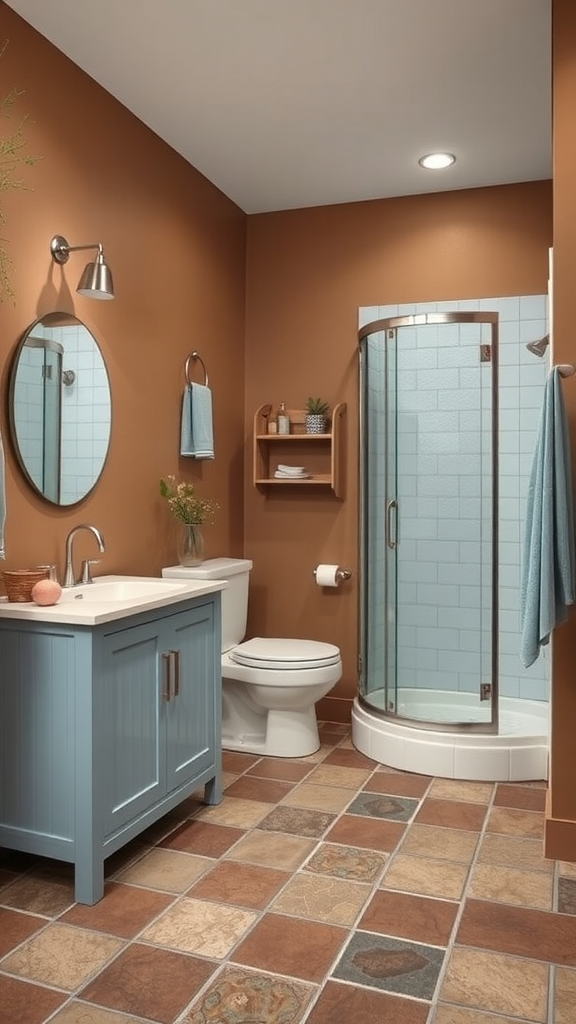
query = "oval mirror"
{"x": 59, "y": 408}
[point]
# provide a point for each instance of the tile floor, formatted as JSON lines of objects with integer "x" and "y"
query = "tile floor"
{"x": 326, "y": 890}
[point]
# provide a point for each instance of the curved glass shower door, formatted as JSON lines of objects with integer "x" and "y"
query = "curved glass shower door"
{"x": 428, "y": 515}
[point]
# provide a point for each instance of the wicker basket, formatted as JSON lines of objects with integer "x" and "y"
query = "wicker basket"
{"x": 19, "y": 582}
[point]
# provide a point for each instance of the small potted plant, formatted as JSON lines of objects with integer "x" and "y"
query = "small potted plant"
{"x": 316, "y": 412}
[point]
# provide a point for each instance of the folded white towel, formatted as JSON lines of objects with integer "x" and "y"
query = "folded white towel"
{"x": 290, "y": 476}
{"x": 298, "y": 470}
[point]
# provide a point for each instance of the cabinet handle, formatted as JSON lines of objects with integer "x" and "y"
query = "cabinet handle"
{"x": 176, "y": 663}
{"x": 166, "y": 657}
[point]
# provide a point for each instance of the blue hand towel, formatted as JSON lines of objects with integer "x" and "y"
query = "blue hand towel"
{"x": 548, "y": 558}
{"x": 196, "y": 430}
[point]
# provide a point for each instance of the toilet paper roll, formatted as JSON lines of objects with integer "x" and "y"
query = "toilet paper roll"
{"x": 326, "y": 575}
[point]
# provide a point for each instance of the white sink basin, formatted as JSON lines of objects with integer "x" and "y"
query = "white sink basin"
{"x": 109, "y": 598}
{"x": 120, "y": 590}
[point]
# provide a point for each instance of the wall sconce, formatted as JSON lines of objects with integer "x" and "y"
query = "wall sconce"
{"x": 96, "y": 281}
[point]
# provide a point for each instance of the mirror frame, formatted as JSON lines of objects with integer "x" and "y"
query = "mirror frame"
{"x": 58, "y": 318}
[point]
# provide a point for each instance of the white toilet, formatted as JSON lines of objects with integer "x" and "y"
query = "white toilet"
{"x": 269, "y": 687}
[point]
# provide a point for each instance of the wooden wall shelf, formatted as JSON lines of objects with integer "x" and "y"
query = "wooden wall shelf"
{"x": 321, "y": 454}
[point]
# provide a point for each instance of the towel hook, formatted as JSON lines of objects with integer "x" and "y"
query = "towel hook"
{"x": 197, "y": 358}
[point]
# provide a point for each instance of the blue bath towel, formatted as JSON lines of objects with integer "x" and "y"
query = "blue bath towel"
{"x": 548, "y": 558}
{"x": 196, "y": 430}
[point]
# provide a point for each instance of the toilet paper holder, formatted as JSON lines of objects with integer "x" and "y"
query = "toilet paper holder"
{"x": 341, "y": 574}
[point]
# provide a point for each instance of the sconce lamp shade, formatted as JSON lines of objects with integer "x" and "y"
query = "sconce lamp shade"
{"x": 96, "y": 281}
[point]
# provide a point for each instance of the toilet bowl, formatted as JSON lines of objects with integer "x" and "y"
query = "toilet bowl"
{"x": 269, "y": 685}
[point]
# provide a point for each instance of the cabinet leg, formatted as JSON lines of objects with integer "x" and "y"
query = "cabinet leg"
{"x": 213, "y": 790}
{"x": 89, "y": 882}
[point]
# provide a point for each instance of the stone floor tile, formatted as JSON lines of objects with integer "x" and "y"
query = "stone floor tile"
{"x": 283, "y": 769}
{"x": 285, "y": 852}
{"x": 397, "y": 784}
{"x": 297, "y": 821}
{"x": 382, "y": 805}
{"x": 156, "y": 984}
{"x": 319, "y": 798}
{"x": 16, "y": 927}
{"x": 451, "y": 814}
{"x": 514, "y": 852}
{"x": 440, "y": 843}
{"x": 198, "y": 926}
{"x": 509, "y": 885}
{"x": 370, "y": 833}
{"x": 124, "y": 910}
{"x": 322, "y": 898}
{"x": 287, "y": 946}
{"x": 242, "y": 885}
{"x": 497, "y": 983}
{"x": 239, "y": 996}
{"x": 519, "y": 931}
{"x": 564, "y": 996}
{"x": 516, "y": 822}
{"x": 410, "y": 917}
{"x": 203, "y": 839}
{"x": 425, "y": 876}
{"x": 22, "y": 1003}
{"x": 166, "y": 870}
{"x": 62, "y": 956}
{"x": 567, "y": 895}
{"x": 460, "y": 789}
{"x": 390, "y": 964}
{"x": 269, "y": 791}
{"x": 236, "y": 812}
{"x": 346, "y": 862}
{"x": 342, "y": 1004}
{"x": 525, "y": 797}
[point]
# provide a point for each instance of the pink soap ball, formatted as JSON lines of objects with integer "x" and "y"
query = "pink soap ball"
{"x": 46, "y": 592}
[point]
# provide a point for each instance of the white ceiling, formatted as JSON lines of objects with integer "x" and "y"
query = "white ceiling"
{"x": 294, "y": 103}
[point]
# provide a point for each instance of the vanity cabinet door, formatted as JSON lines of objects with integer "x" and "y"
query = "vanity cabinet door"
{"x": 133, "y": 723}
{"x": 192, "y": 731}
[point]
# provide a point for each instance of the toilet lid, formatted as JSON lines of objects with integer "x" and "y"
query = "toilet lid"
{"x": 263, "y": 652}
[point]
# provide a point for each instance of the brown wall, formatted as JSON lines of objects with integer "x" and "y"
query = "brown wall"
{"x": 308, "y": 272}
{"x": 176, "y": 247}
{"x": 561, "y": 823}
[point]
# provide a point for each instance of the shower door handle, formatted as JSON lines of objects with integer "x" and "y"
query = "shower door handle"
{"x": 392, "y": 542}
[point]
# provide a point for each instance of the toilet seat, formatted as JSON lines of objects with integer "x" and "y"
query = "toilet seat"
{"x": 283, "y": 654}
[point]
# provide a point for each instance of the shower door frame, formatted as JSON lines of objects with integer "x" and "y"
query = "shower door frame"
{"x": 416, "y": 320}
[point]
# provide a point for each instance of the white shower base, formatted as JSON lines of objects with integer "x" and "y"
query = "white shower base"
{"x": 518, "y": 753}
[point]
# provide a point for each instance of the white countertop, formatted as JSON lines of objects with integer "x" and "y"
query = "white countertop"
{"x": 109, "y": 598}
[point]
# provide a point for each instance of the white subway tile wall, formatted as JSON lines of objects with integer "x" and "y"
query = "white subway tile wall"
{"x": 439, "y": 612}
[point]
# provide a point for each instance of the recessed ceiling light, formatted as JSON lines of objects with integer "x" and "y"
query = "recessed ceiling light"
{"x": 436, "y": 161}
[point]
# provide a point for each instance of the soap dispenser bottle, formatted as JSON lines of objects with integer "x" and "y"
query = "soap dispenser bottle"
{"x": 283, "y": 420}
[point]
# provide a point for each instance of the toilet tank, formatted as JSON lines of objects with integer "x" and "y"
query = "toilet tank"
{"x": 234, "y": 597}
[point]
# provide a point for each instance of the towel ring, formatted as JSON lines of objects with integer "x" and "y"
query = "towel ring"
{"x": 197, "y": 358}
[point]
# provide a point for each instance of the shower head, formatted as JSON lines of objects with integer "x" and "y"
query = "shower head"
{"x": 538, "y": 348}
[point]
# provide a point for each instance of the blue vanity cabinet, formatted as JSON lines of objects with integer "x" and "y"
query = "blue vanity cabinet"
{"x": 106, "y": 728}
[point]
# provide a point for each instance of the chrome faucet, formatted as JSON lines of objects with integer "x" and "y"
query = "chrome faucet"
{"x": 69, "y": 579}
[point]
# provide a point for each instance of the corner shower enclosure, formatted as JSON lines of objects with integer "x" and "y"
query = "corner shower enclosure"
{"x": 444, "y": 465}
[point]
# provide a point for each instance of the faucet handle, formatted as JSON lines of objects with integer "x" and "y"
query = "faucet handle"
{"x": 86, "y": 575}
